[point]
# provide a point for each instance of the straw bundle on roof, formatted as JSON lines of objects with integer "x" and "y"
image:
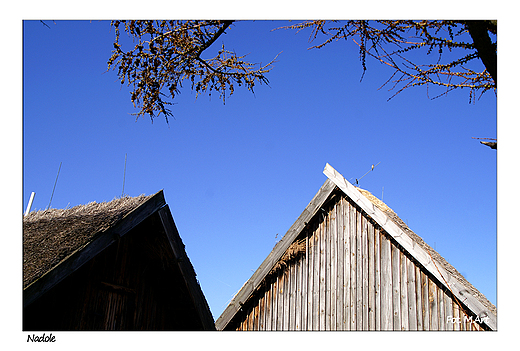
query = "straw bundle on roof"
{"x": 292, "y": 252}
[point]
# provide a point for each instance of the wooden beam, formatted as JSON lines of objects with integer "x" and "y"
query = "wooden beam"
{"x": 422, "y": 256}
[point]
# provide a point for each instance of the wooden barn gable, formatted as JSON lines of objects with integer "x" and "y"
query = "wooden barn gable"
{"x": 350, "y": 263}
{"x": 118, "y": 265}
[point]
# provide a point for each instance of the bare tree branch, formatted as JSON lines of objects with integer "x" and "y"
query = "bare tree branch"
{"x": 167, "y": 53}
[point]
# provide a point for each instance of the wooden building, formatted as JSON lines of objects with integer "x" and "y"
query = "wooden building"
{"x": 118, "y": 265}
{"x": 350, "y": 263}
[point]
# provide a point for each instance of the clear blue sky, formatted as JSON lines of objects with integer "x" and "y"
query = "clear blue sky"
{"x": 236, "y": 176}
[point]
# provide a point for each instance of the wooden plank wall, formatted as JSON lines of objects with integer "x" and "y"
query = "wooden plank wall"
{"x": 351, "y": 277}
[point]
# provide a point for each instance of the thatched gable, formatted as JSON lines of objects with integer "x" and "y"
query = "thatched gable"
{"x": 118, "y": 265}
{"x": 50, "y": 236}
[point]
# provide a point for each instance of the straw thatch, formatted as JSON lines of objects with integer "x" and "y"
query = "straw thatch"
{"x": 52, "y": 235}
{"x": 297, "y": 248}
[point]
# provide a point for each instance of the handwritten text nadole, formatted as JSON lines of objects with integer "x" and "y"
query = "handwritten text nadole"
{"x": 41, "y": 338}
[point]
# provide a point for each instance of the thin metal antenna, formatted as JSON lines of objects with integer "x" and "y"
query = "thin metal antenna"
{"x": 54, "y": 187}
{"x": 357, "y": 180}
{"x": 124, "y": 175}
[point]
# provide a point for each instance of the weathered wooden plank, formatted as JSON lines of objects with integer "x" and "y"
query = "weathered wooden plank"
{"x": 287, "y": 299}
{"x": 249, "y": 323}
{"x": 448, "y": 302}
{"x": 247, "y": 319}
{"x": 327, "y": 264}
{"x": 464, "y": 320}
{"x": 332, "y": 275}
{"x": 254, "y": 317}
{"x": 359, "y": 272}
{"x": 331, "y": 271}
{"x": 434, "y": 306}
{"x": 298, "y": 295}
{"x": 257, "y": 317}
{"x": 316, "y": 281}
{"x": 364, "y": 271}
{"x": 243, "y": 323}
{"x": 305, "y": 291}
{"x": 442, "y": 316}
{"x": 412, "y": 296}
{"x": 404, "y": 292}
{"x": 260, "y": 305}
{"x": 386, "y": 284}
{"x": 353, "y": 268}
{"x": 310, "y": 283}
{"x": 292, "y": 296}
{"x": 377, "y": 274}
{"x": 339, "y": 268}
{"x": 281, "y": 301}
{"x": 268, "y": 307}
{"x": 274, "y": 306}
{"x": 455, "y": 315}
{"x": 346, "y": 266}
{"x": 371, "y": 278}
{"x": 425, "y": 300}
{"x": 322, "y": 249}
{"x": 251, "y": 315}
{"x": 418, "y": 298}
{"x": 396, "y": 287}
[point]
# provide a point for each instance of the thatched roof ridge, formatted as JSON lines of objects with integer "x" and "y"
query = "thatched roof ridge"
{"x": 435, "y": 255}
{"x": 52, "y": 235}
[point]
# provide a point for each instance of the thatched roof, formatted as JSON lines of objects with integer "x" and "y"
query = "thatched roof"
{"x": 58, "y": 244}
{"x": 52, "y": 235}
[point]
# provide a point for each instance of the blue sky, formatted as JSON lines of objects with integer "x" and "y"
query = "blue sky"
{"x": 236, "y": 176}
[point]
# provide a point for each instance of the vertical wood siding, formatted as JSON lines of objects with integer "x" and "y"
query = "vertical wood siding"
{"x": 352, "y": 276}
